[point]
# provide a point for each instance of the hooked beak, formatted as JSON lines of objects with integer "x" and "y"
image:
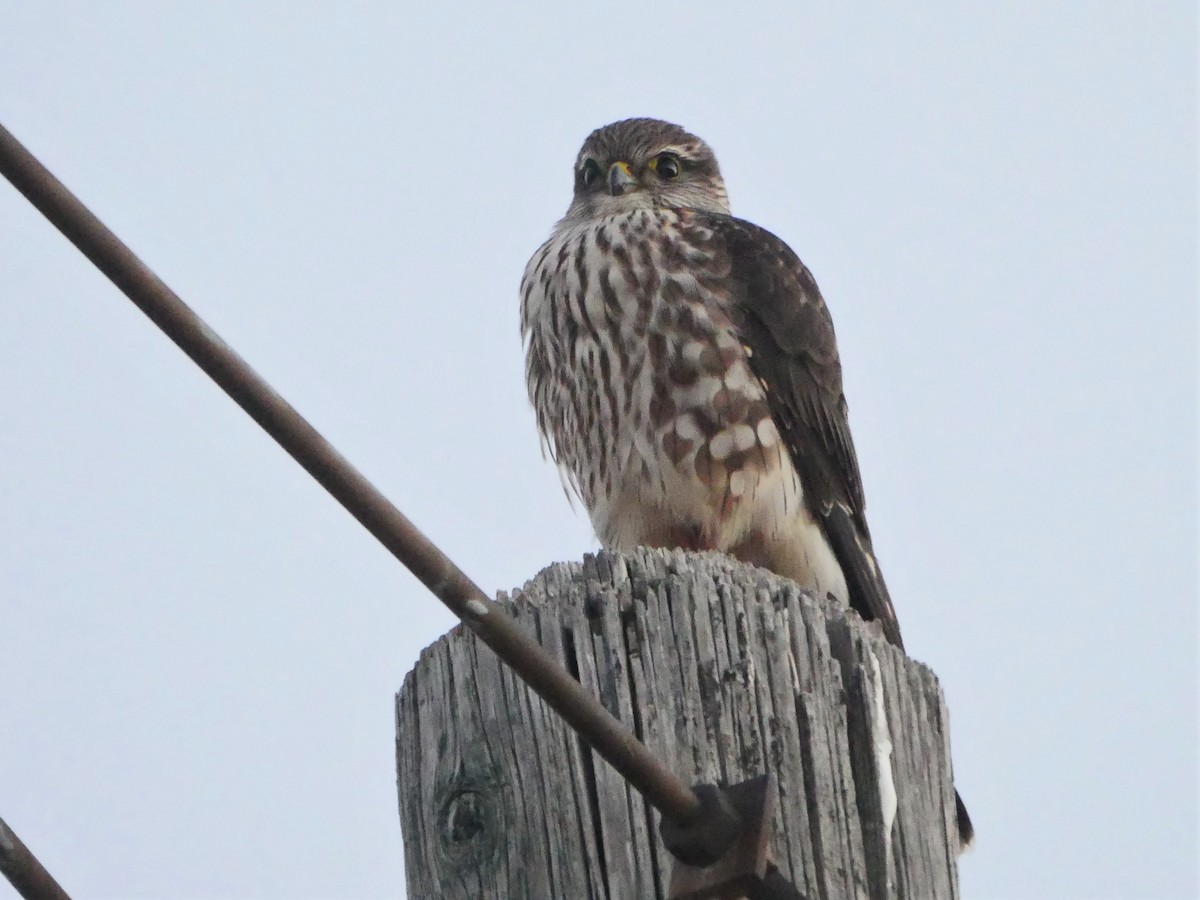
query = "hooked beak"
{"x": 620, "y": 179}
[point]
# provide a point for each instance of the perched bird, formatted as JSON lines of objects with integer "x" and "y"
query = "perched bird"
{"x": 685, "y": 376}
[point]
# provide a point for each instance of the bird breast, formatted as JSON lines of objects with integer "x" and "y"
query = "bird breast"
{"x": 643, "y": 390}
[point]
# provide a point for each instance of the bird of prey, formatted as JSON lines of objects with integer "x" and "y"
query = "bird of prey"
{"x": 685, "y": 376}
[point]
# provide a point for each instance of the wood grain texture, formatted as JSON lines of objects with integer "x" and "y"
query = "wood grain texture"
{"x": 725, "y": 671}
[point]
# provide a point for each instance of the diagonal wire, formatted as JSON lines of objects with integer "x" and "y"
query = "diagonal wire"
{"x": 586, "y": 715}
{"x": 23, "y": 870}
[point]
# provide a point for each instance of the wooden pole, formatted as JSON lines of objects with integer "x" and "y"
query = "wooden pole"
{"x": 726, "y": 672}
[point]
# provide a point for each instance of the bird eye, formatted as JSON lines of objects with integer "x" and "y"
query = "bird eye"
{"x": 590, "y": 173}
{"x": 665, "y": 166}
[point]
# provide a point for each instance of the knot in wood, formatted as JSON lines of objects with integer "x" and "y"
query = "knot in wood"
{"x": 468, "y": 806}
{"x": 465, "y": 818}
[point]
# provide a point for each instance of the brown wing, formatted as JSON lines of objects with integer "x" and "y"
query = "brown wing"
{"x": 784, "y": 323}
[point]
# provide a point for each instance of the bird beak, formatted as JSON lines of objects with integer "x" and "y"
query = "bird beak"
{"x": 620, "y": 179}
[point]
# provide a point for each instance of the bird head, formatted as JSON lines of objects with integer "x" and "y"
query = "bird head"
{"x": 645, "y": 164}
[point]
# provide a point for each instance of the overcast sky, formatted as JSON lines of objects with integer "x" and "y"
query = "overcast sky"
{"x": 199, "y": 649}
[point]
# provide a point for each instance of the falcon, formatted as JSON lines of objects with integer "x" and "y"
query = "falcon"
{"x": 685, "y": 377}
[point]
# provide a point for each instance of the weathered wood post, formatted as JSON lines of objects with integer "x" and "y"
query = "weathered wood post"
{"x": 726, "y": 672}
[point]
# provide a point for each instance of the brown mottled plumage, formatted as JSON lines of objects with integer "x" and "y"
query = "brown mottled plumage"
{"x": 685, "y": 374}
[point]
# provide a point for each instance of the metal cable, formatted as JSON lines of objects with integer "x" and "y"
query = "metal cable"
{"x": 23, "y": 870}
{"x": 586, "y": 715}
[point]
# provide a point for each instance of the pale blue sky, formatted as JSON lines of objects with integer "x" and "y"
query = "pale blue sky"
{"x": 199, "y": 648}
